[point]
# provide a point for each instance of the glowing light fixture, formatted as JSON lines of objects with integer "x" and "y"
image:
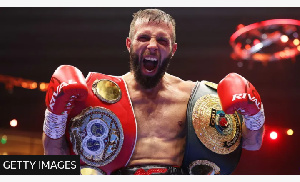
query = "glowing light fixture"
{"x": 33, "y": 85}
{"x": 270, "y": 38}
{"x": 13, "y": 123}
{"x": 24, "y": 84}
{"x": 240, "y": 26}
{"x": 296, "y": 42}
{"x": 247, "y": 47}
{"x": 284, "y": 38}
{"x": 290, "y": 132}
{"x": 256, "y": 41}
{"x": 4, "y": 139}
{"x": 44, "y": 86}
{"x": 273, "y": 135}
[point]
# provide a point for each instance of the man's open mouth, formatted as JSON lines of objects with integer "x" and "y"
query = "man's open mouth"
{"x": 150, "y": 64}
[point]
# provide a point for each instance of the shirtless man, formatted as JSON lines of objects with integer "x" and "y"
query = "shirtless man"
{"x": 159, "y": 100}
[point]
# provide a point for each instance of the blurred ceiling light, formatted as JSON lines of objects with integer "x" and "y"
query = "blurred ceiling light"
{"x": 240, "y": 26}
{"x": 284, "y": 38}
{"x": 4, "y": 139}
{"x": 24, "y": 84}
{"x": 13, "y": 123}
{"x": 290, "y": 132}
{"x": 296, "y": 42}
{"x": 11, "y": 82}
{"x": 256, "y": 41}
{"x": 264, "y": 36}
{"x": 33, "y": 85}
{"x": 247, "y": 47}
{"x": 267, "y": 37}
{"x": 42, "y": 86}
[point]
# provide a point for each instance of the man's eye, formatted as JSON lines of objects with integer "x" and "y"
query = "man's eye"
{"x": 163, "y": 41}
{"x": 143, "y": 38}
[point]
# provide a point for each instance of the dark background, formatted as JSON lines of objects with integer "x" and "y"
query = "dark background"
{"x": 35, "y": 41}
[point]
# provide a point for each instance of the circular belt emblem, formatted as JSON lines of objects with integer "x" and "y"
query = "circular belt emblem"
{"x": 219, "y": 132}
{"x": 107, "y": 90}
{"x": 97, "y": 136}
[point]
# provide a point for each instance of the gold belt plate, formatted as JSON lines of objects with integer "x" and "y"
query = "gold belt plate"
{"x": 221, "y": 138}
{"x": 107, "y": 90}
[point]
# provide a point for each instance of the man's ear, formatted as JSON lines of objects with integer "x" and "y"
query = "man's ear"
{"x": 128, "y": 43}
{"x": 174, "y": 48}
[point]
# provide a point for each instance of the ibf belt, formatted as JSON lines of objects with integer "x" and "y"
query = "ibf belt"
{"x": 102, "y": 129}
{"x": 213, "y": 138}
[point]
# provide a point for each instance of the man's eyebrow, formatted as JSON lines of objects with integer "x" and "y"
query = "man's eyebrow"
{"x": 146, "y": 32}
{"x": 160, "y": 34}
{"x": 143, "y": 33}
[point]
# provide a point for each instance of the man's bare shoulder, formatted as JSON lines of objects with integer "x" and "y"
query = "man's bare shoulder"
{"x": 184, "y": 85}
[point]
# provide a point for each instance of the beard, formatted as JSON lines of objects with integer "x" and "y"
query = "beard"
{"x": 148, "y": 82}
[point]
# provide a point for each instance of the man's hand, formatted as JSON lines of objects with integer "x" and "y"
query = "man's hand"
{"x": 238, "y": 94}
{"x": 55, "y": 147}
{"x": 66, "y": 85}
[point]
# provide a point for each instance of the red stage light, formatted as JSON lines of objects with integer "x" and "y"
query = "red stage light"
{"x": 273, "y": 135}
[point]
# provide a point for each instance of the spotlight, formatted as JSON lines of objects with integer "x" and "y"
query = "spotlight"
{"x": 273, "y": 135}
{"x": 284, "y": 38}
{"x": 13, "y": 123}
{"x": 290, "y": 132}
{"x": 296, "y": 42}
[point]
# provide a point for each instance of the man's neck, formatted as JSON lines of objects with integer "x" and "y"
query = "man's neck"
{"x": 130, "y": 80}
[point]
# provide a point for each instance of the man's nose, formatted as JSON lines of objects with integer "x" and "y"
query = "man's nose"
{"x": 152, "y": 46}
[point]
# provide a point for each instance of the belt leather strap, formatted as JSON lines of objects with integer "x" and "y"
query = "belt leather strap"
{"x": 149, "y": 170}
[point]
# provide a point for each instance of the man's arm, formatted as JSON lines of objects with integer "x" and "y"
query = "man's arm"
{"x": 252, "y": 139}
{"x": 55, "y": 146}
{"x": 238, "y": 94}
{"x": 66, "y": 86}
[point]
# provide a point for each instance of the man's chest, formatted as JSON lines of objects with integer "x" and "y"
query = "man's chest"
{"x": 161, "y": 117}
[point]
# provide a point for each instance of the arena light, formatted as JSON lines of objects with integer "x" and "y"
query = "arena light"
{"x": 296, "y": 42}
{"x": 11, "y": 82}
{"x": 284, "y": 38}
{"x": 24, "y": 84}
{"x": 273, "y": 135}
{"x": 256, "y": 41}
{"x": 247, "y": 47}
{"x": 290, "y": 132}
{"x": 4, "y": 139}
{"x": 13, "y": 123}
{"x": 43, "y": 86}
{"x": 33, "y": 85}
{"x": 270, "y": 38}
{"x": 240, "y": 26}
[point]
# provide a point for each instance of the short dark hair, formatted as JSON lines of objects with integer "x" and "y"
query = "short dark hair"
{"x": 153, "y": 15}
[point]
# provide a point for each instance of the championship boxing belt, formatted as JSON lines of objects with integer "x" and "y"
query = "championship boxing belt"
{"x": 213, "y": 142}
{"x": 102, "y": 129}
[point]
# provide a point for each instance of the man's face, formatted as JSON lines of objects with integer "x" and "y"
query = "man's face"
{"x": 150, "y": 50}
